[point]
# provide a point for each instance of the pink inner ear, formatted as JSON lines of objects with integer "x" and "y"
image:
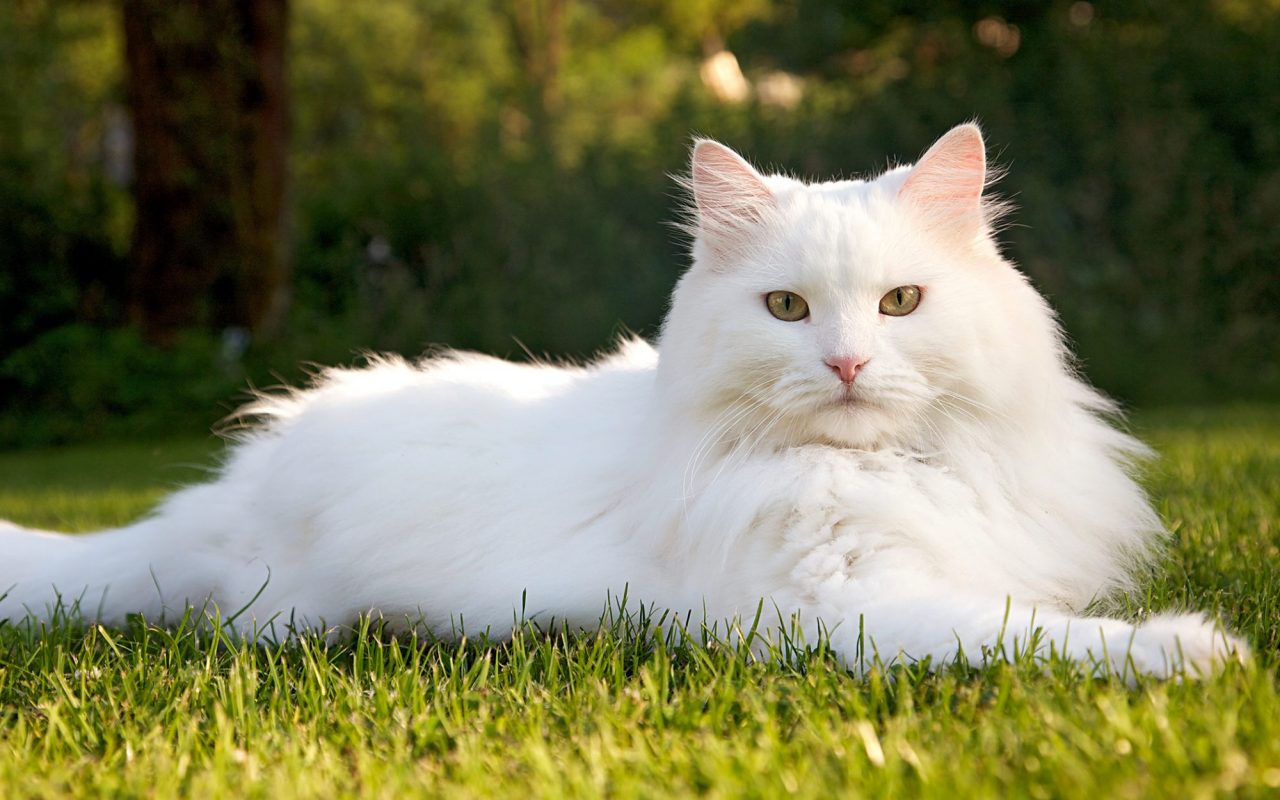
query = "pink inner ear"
{"x": 948, "y": 180}
{"x": 729, "y": 193}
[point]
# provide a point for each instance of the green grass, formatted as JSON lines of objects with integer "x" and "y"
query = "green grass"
{"x": 91, "y": 487}
{"x": 155, "y": 712}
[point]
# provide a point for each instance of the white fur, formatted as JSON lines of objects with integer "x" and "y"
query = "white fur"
{"x": 968, "y": 491}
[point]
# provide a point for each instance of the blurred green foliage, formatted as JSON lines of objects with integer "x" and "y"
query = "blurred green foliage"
{"x": 494, "y": 175}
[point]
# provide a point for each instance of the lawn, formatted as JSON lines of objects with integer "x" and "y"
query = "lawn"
{"x": 156, "y": 712}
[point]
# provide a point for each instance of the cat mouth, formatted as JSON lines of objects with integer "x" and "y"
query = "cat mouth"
{"x": 854, "y": 398}
{"x": 850, "y": 399}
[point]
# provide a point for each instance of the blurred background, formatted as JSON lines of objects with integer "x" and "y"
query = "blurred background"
{"x": 196, "y": 196}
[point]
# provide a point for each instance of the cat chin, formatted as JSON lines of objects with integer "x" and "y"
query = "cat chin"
{"x": 853, "y": 423}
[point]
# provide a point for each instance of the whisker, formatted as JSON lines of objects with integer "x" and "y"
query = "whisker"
{"x": 748, "y": 402}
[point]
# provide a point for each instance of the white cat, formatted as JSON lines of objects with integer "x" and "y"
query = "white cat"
{"x": 858, "y": 413}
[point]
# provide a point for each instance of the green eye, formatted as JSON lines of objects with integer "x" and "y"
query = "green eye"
{"x": 787, "y": 306}
{"x": 901, "y": 301}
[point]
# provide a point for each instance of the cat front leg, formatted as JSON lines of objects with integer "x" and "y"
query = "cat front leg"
{"x": 911, "y": 623}
{"x": 893, "y": 556}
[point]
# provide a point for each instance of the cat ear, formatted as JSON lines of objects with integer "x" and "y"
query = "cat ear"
{"x": 730, "y": 196}
{"x": 945, "y": 186}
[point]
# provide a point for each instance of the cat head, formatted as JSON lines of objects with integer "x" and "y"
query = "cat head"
{"x": 861, "y": 313}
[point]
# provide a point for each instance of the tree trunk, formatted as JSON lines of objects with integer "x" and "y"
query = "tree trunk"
{"x": 206, "y": 88}
{"x": 538, "y": 30}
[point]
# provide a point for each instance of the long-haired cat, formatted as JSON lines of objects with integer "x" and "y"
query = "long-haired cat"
{"x": 858, "y": 413}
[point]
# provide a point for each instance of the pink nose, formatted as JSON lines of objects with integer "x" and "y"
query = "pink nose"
{"x": 846, "y": 366}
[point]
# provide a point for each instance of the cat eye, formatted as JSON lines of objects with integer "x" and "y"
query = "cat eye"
{"x": 901, "y": 301}
{"x": 787, "y": 306}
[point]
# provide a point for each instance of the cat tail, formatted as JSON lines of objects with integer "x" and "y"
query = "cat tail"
{"x": 104, "y": 576}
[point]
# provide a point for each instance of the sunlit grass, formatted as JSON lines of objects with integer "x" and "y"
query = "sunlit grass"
{"x": 98, "y": 486}
{"x": 154, "y": 712}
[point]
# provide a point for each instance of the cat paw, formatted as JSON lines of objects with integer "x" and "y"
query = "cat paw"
{"x": 1183, "y": 645}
